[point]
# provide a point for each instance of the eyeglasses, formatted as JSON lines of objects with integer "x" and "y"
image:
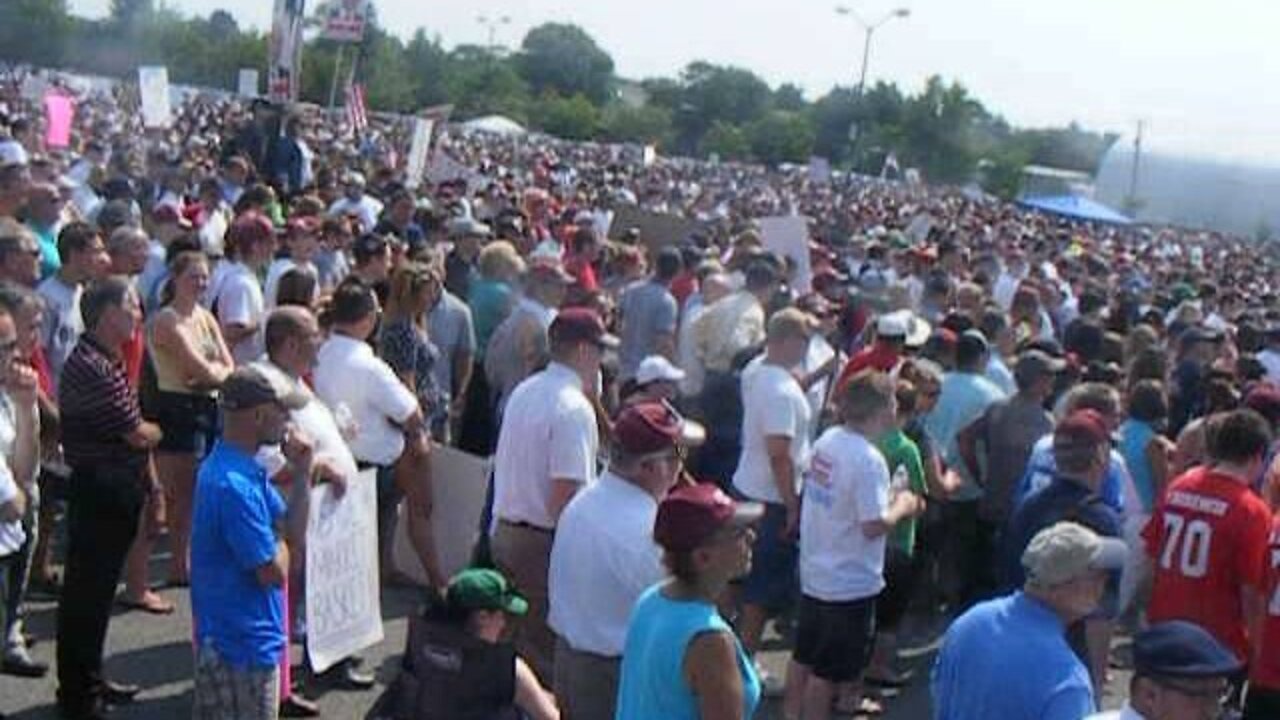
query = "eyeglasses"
{"x": 1216, "y": 696}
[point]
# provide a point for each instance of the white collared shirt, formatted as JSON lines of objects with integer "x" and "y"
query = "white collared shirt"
{"x": 239, "y": 301}
{"x": 603, "y": 558}
{"x": 548, "y": 433}
{"x": 348, "y": 375}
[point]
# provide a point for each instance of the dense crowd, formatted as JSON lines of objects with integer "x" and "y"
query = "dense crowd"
{"x": 1052, "y": 434}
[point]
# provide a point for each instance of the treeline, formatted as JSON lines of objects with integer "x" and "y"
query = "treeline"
{"x": 561, "y": 82}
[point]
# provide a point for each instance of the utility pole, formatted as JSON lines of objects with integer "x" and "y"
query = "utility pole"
{"x": 1132, "y": 204}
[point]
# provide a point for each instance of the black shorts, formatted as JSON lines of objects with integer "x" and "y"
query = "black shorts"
{"x": 834, "y": 639}
{"x": 189, "y": 422}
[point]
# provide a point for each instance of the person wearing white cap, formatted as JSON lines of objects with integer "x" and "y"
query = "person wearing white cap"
{"x": 656, "y": 379}
{"x": 355, "y": 202}
{"x": 1008, "y": 658}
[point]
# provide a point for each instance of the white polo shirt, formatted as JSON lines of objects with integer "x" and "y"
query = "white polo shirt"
{"x": 847, "y": 484}
{"x": 773, "y": 403}
{"x": 548, "y": 431}
{"x": 603, "y": 558}
{"x": 348, "y": 375}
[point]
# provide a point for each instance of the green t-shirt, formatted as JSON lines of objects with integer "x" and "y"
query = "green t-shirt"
{"x": 906, "y": 472}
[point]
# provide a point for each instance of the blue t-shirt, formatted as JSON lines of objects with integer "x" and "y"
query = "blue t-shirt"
{"x": 232, "y": 535}
{"x": 1061, "y": 499}
{"x": 1008, "y": 658}
{"x": 1041, "y": 467}
{"x": 962, "y": 400}
{"x": 1135, "y": 436}
{"x": 652, "y": 684}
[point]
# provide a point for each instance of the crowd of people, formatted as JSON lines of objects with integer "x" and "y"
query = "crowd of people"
{"x": 1051, "y": 434}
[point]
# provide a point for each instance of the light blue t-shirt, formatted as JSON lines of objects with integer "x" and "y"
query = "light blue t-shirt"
{"x": 652, "y": 683}
{"x": 964, "y": 397}
{"x": 1008, "y": 658}
{"x": 232, "y": 535}
{"x": 1041, "y": 467}
{"x": 1135, "y": 435}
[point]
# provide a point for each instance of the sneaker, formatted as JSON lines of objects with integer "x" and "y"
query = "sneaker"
{"x": 771, "y": 686}
{"x": 19, "y": 663}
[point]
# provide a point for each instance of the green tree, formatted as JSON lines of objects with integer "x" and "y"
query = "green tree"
{"x": 726, "y": 141}
{"x": 573, "y": 118}
{"x": 789, "y": 97}
{"x": 428, "y": 63}
{"x": 780, "y": 137}
{"x": 478, "y": 82}
{"x": 35, "y": 31}
{"x": 649, "y": 124}
{"x": 714, "y": 94}
{"x": 565, "y": 59}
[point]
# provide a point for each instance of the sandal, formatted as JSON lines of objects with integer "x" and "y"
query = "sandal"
{"x": 149, "y": 603}
{"x": 866, "y": 708}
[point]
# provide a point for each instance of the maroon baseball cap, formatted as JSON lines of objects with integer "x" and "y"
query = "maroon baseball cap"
{"x": 691, "y": 514}
{"x": 651, "y": 427}
{"x": 1082, "y": 429}
{"x": 1264, "y": 399}
{"x": 579, "y": 324}
{"x": 251, "y": 227}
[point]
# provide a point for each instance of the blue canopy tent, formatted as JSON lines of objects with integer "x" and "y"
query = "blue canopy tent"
{"x": 1075, "y": 207}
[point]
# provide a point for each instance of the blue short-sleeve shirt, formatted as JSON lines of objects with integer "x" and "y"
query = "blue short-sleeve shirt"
{"x": 233, "y": 533}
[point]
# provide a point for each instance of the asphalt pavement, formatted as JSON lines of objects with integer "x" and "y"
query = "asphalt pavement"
{"x": 155, "y": 652}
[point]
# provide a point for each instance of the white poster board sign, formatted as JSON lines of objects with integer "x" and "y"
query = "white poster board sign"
{"x": 248, "y": 82}
{"x": 819, "y": 170}
{"x": 459, "y": 482}
{"x": 788, "y": 235}
{"x": 153, "y": 86}
{"x": 419, "y": 149}
{"x": 344, "y": 608}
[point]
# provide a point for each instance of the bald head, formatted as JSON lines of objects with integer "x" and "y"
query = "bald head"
{"x": 292, "y": 336}
{"x": 714, "y": 287}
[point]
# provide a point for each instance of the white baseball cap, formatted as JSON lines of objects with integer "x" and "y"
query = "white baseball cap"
{"x": 656, "y": 367}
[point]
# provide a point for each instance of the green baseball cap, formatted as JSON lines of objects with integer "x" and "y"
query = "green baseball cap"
{"x": 484, "y": 589}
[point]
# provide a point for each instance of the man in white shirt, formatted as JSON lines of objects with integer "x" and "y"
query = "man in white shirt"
{"x": 547, "y": 451}
{"x": 237, "y": 300}
{"x": 357, "y": 384}
{"x": 775, "y": 446}
{"x": 356, "y": 203}
{"x": 1270, "y": 355}
{"x": 84, "y": 257}
{"x": 848, "y": 509}
{"x": 604, "y": 555}
{"x": 293, "y": 339}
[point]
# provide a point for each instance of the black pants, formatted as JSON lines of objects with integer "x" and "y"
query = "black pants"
{"x": 1262, "y": 703}
{"x": 960, "y": 553}
{"x": 102, "y": 518}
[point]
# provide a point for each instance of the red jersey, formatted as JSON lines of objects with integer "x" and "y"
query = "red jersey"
{"x": 1265, "y": 672}
{"x": 1208, "y": 541}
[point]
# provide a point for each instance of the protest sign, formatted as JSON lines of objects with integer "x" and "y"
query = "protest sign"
{"x": 248, "y": 82}
{"x": 657, "y": 230}
{"x": 153, "y": 86}
{"x": 819, "y": 170}
{"x": 59, "y": 111}
{"x": 419, "y": 148}
{"x": 344, "y": 610}
{"x": 284, "y": 53}
{"x": 459, "y": 483}
{"x": 649, "y": 155}
{"x": 788, "y": 235}
{"x": 344, "y": 20}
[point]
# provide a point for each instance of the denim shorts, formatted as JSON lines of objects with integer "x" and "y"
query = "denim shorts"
{"x": 772, "y": 582}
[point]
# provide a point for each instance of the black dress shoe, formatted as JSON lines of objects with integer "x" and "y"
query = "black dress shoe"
{"x": 23, "y": 667}
{"x": 117, "y": 693}
{"x": 296, "y": 706}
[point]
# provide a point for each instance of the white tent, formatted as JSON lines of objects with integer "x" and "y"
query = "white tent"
{"x": 495, "y": 125}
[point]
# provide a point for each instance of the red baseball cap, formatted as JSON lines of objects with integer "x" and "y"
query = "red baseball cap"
{"x": 651, "y": 427}
{"x": 691, "y": 514}
{"x": 579, "y": 324}
{"x": 251, "y": 227}
{"x": 1082, "y": 429}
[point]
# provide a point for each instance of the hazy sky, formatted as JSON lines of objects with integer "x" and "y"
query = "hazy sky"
{"x": 1203, "y": 75}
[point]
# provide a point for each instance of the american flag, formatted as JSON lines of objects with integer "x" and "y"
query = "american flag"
{"x": 357, "y": 114}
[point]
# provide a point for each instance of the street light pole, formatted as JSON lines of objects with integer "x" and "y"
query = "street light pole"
{"x": 869, "y": 30}
{"x": 492, "y": 25}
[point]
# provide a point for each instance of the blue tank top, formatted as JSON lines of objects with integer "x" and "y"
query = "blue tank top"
{"x": 1135, "y": 435}
{"x": 653, "y": 683}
